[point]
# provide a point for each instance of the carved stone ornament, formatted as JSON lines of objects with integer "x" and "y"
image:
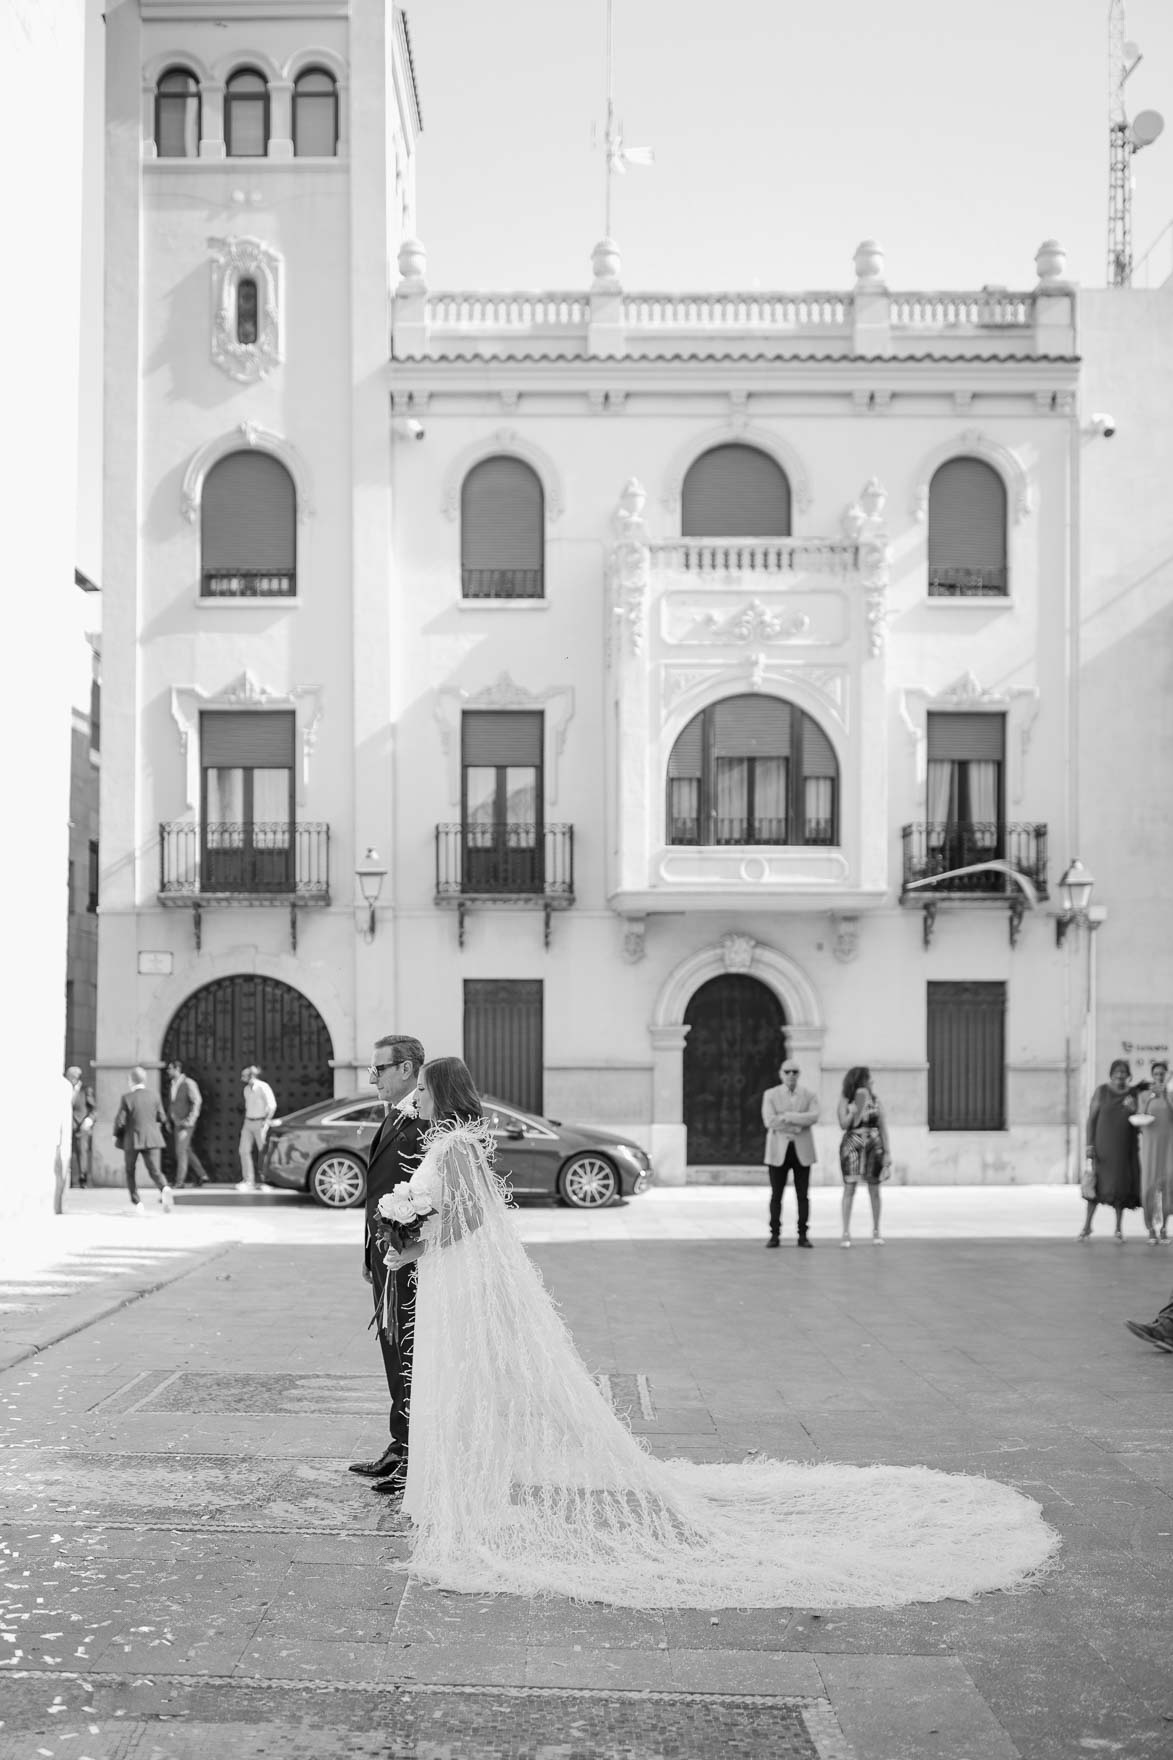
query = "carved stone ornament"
{"x": 679, "y": 681}
{"x": 737, "y": 952}
{"x": 972, "y": 443}
{"x": 1020, "y": 706}
{"x": 245, "y": 433}
{"x": 845, "y": 943}
{"x": 863, "y": 525}
{"x": 635, "y": 931}
{"x": 245, "y": 692}
{"x": 556, "y": 702}
{"x": 628, "y": 572}
{"x": 235, "y": 260}
{"x": 751, "y": 623}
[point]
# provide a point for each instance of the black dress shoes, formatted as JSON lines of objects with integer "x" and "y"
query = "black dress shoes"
{"x": 386, "y": 1463}
{"x": 393, "y": 1482}
{"x": 773, "y": 1241}
{"x": 803, "y": 1242}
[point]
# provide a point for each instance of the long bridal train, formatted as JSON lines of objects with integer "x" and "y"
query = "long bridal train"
{"x": 523, "y": 1480}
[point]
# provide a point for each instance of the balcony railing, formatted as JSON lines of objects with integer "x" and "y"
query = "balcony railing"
{"x": 285, "y": 863}
{"x": 501, "y": 583}
{"x": 967, "y": 583}
{"x": 722, "y": 556}
{"x": 937, "y": 849}
{"x": 772, "y": 832}
{"x": 248, "y": 583}
{"x": 516, "y": 861}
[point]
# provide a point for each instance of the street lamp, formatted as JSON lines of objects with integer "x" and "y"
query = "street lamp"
{"x": 370, "y": 874}
{"x": 1075, "y": 889}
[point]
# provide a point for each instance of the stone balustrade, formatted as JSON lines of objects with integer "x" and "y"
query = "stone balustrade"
{"x": 736, "y": 311}
{"x": 763, "y": 556}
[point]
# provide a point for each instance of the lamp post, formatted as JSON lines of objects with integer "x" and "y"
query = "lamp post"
{"x": 370, "y": 874}
{"x": 1075, "y": 889}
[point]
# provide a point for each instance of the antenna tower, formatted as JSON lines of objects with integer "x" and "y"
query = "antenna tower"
{"x": 1119, "y": 154}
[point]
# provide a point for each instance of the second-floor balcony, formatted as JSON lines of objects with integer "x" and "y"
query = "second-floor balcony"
{"x": 962, "y": 863}
{"x": 216, "y": 863}
{"x": 514, "y": 863}
{"x": 718, "y": 559}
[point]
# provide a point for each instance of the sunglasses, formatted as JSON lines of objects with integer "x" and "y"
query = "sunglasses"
{"x": 374, "y": 1068}
{"x": 790, "y": 1070}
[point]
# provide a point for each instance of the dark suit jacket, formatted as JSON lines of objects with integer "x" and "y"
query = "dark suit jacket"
{"x": 395, "y": 1154}
{"x": 186, "y": 1101}
{"x": 143, "y": 1111}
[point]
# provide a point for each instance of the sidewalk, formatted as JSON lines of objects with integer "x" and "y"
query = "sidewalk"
{"x": 188, "y": 1558}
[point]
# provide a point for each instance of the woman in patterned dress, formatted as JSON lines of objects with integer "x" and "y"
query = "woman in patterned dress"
{"x": 864, "y": 1157}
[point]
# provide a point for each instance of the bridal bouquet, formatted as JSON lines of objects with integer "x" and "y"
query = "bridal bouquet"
{"x": 401, "y": 1214}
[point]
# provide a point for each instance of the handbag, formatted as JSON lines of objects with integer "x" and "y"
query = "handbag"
{"x": 1087, "y": 1183}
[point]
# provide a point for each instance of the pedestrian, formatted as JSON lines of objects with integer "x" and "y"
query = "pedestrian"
{"x": 1156, "y": 1153}
{"x": 184, "y": 1105}
{"x": 788, "y": 1112}
{"x": 864, "y": 1151}
{"x": 138, "y": 1127}
{"x": 1158, "y": 1331}
{"x": 394, "y": 1155}
{"x": 83, "y": 1107}
{"x": 260, "y": 1105}
{"x": 1112, "y": 1170}
{"x": 62, "y": 1144}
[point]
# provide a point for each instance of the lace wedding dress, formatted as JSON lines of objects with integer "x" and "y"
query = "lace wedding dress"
{"x": 522, "y": 1479}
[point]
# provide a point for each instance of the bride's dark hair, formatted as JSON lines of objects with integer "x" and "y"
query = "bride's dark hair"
{"x": 453, "y": 1091}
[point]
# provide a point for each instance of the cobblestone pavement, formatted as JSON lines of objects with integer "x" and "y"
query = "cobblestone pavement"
{"x": 186, "y": 1566}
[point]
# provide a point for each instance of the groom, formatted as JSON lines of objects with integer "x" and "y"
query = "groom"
{"x": 395, "y": 1153}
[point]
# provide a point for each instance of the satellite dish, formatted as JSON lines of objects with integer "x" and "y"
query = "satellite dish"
{"x": 1146, "y": 126}
{"x": 1131, "y": 53}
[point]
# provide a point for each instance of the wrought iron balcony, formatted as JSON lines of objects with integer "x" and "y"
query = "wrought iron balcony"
{"x": 218, "y": 864}
{"x": 501, "y": 583}
{"x": 742, "y": 831}
{"x": 967, "y": 583}
{"x": 248, "y": 583}
{"x": 509, "y": 864}
{"x": 932, "y": 850}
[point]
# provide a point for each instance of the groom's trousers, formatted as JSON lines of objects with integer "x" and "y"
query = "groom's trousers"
{"x": 395, "y": 1341}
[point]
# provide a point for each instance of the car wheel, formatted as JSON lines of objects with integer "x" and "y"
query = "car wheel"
{"x": 589, "y": 1182}
{"x": 339, "y": 1181}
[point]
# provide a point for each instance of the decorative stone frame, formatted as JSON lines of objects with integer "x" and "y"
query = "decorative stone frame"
{"x": 237, "y": 440}
{"x": 805, "y": 1029}
{"x": 973, "y": 443}
{"x": 557, "y": 701}
{"x": 736, "y": 433}
{"x": 245, "y": 692}
{"x": 508, "y": 443}
{"x": 966, "y": 694}
{"x": 234, "y": 260}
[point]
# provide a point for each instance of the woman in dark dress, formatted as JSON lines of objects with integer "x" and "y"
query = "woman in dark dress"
{"x": 1112, "y": 1153}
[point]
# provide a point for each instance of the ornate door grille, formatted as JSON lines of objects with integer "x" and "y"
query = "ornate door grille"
{"x": 234, "y": 1022}
{"x": 731, "y": 1057}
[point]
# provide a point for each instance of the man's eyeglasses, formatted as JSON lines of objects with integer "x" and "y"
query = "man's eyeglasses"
{"x": 374, "y": 1068}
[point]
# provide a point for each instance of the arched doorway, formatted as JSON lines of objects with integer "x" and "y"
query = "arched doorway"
{"x": 238, "y": 1021}
{"x": 731, "y": 1056}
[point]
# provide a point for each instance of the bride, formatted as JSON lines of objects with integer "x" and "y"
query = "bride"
{"x": 521, "y": 1478}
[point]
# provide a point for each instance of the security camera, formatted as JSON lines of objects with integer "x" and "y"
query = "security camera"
{"x": 410, "y": 428}
{"x": 1104, "y": 426}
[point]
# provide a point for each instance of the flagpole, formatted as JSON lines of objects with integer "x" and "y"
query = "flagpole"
{"x": 609, "y": 133}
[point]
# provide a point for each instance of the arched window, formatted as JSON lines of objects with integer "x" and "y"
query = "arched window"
{"x": 248, "y": 529}
{"x": 502, "y": 521}
{"x": 967, "y": 531}
{"x": 246, "y": 312}
{"x": 735, "y": 492}
{"x": 753, "y": 769}
{"x": 315, "y": 114}
{"x": 246, "y": 115}
{"x": 177, "y": 115}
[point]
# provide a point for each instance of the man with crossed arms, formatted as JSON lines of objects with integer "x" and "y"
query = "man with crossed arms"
{"x": 788, "y": 1112}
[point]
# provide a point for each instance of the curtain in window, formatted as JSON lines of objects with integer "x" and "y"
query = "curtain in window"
{"x": 271, "y": 808}
{"x": 732, "y": 799}
{"x": 983, "y": 800}
{"x": 224, "y": 807}
{"x": 940, "y": 791}
{"x": 684, "y": 809}
{"x": 819, "y": 809}
{"x": 770, "y": 785}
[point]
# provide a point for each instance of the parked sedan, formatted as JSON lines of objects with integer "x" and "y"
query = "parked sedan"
{"x": 322, "y": 1149}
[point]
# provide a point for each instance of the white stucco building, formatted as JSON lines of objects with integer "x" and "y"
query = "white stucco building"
{"x": 666, "y": 649}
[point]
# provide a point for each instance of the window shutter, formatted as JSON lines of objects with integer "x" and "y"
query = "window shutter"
{"x": 495, "y": 737}
{"x": 960, "y": 738}
{"x": 967, "y": 516}
{"x": 967, "y": 1058}
{"x": 501, "y": 516}
{"x": 315, "y": 115}
{"x": 818, "y": 754}
{"x": 247, "y": 739}
{"x": 503, "y": 1038}
{"x": 735, "y": 492}
{"x": 751, "y": 727}
{"x": 687, "y": 758}
{"x": 249, "y": 517}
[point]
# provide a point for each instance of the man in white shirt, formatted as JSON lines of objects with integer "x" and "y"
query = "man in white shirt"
{"x": 260, "y": 1104}
{"x": 788, "y": 1112}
